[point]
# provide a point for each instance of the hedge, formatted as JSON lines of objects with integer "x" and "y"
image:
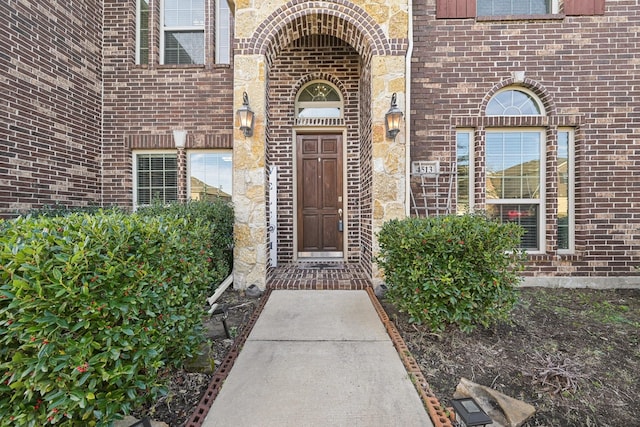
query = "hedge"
{"x": 95, "y": 307}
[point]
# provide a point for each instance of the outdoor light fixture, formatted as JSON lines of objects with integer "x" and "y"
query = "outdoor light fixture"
{"x": 180, "y": 138}
{"x": 245, "y": 116}
{"x": 392, "y": 118}
{"x": 469, "y": 413}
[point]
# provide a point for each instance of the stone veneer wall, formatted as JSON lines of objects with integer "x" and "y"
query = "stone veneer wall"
{"x": 50, "y": 104}
{"x": 587, "y": 72}
{"x": 378, "y": 32}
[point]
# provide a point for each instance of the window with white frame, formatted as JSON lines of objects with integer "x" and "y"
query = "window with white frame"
{"x": 566, "y": 176}
{"x": 514, "y": 102}
{"x": 210, "y": 174}
{"x": 182, "y": 32}
{"x": 515, "y": 159}
{"x": 155, "y": 177}
{"x": 464, "y": 165}
{"x": 515, "y": 182}
{"x": 223, "y": 32}
{"x": 142, "y": 32}
{"x": 516, "y": 7}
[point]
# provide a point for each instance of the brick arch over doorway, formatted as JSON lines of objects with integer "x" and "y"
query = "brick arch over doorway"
{"x": 322, "y": 58}
{"x": 328, "y": 32}
{"x": 338, "y": 18}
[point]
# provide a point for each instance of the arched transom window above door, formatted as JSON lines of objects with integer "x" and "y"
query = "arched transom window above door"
{"x": 318, "y": 100}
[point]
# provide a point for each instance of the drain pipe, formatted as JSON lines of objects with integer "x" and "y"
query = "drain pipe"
{"x": 407, "y": 110}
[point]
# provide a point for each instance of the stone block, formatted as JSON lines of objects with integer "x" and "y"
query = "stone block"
{"x": 505, "y": 411}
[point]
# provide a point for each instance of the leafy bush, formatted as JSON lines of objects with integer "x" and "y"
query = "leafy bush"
{"x": 458, "y": 270}
{"x": 94, "y": 307}
{"x": 60, "y": 209}
{"x": 217, "y": 216}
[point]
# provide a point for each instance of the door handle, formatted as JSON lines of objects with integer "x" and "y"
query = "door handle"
{"x": 340, "y": 223}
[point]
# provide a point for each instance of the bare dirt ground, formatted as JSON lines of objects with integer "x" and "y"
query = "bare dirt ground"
{"x": 574, "y": 354}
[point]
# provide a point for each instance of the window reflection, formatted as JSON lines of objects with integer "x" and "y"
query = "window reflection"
{"x": 513, "y": 180}
{"x": 513, "y": 103}
{"x": 210, "y": 175}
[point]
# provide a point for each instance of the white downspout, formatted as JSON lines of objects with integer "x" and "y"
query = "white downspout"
{"x": 407, "y": 110}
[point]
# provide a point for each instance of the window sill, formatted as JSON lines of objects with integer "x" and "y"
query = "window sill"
{"x": 181, "y": 66}
{"x": 551, "y": 16}
{"x": 568, "y": 255}
{"x": 536, "y": 254}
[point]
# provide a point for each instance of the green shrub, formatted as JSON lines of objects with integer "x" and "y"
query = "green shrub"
{"x": 60, "y": 209}
{"x": 459, "y": 270}
{"x": 94, "y": 307}
{"x": 218, "y": 217}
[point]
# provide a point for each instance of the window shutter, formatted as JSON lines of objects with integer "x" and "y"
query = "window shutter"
{"x": 455, "y": 8}
{"x": 583, "y": 7}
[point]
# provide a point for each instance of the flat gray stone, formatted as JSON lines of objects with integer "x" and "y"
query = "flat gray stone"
{"x": 129, "y": 420}
{"x": 204, "y": 362}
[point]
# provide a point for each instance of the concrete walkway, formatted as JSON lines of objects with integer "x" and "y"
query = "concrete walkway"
{"x": 318, "y": 358}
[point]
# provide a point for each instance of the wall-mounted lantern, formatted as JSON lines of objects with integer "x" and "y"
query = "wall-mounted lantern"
{"x": 392, "y": 118}
{"x": 469, "y": 413}
{"x": 180, "y": 138}
{"x": 245, "y": 116}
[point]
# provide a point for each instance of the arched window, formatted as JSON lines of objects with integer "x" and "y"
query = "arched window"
{"x": 319, "y": 100}
{"x": 515, "y": 162}
{"x": 514, "y": 102}
{"x": 516, "y": 140}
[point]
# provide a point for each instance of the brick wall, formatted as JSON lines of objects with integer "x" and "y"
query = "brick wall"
{"x": 144, "y": 103}
{"x": 586, "y": 70}
{"x": 365, "y": 204}
{"x": 50, "y": 100}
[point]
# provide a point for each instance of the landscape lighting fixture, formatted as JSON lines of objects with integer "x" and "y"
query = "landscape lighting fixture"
{"x": 469, "y": 413}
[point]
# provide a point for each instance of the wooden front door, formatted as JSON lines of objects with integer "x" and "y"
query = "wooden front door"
{"x": 319, "y": 193}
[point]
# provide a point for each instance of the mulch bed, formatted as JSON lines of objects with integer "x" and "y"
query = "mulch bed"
{"x": 574, "y": 354}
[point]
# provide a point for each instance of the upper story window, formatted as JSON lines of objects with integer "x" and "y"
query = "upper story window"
{"x": 513, "y": 7}
{"x": 223, "y": 32}
{"x": 180, "y": 28}
{"x": 319, "y": 100}
{"x": 516, "y": 8}
{"x": 142, "y": 33}
{"x": 182, "y": 32}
